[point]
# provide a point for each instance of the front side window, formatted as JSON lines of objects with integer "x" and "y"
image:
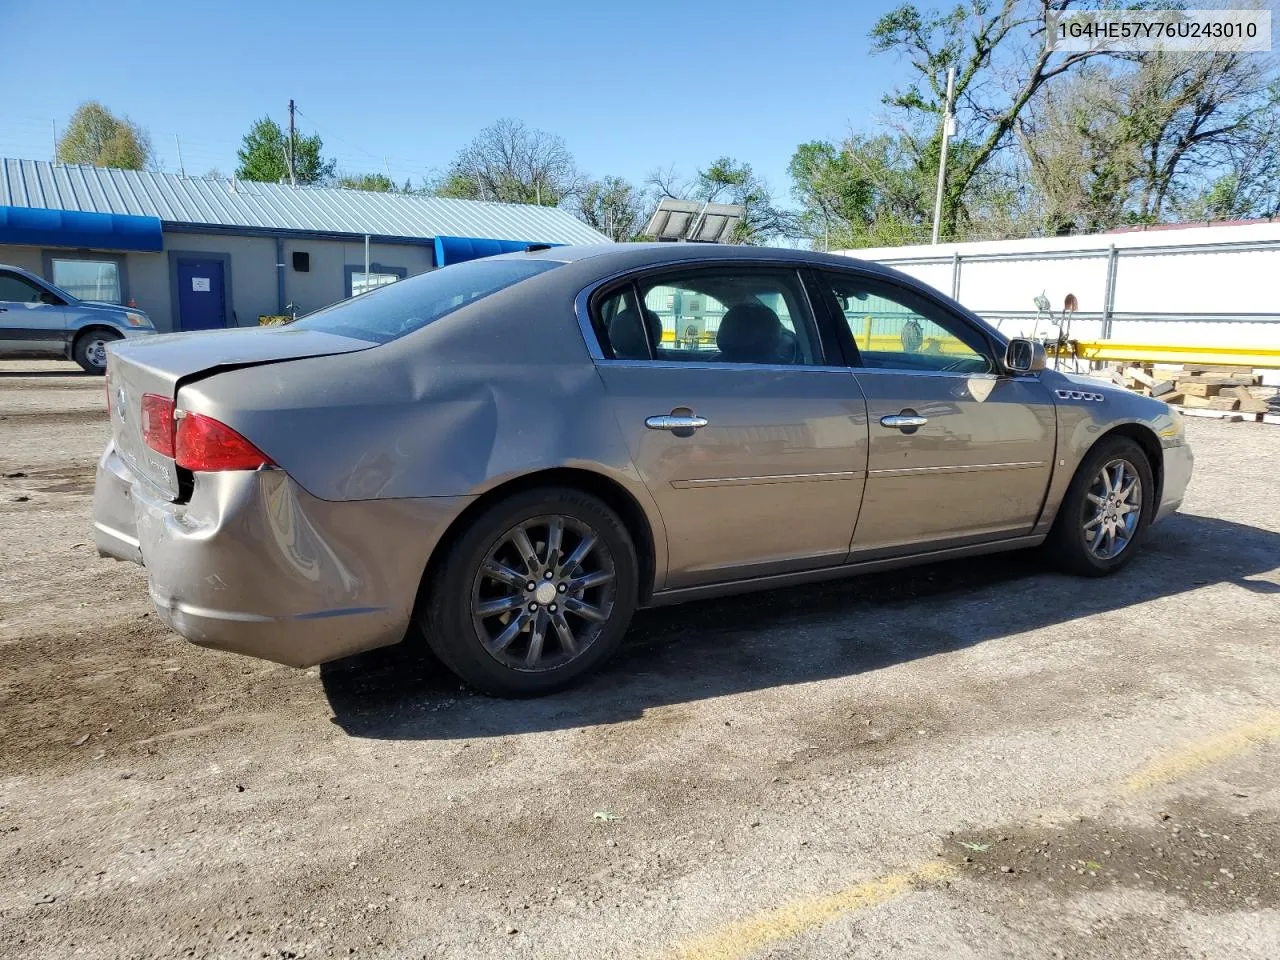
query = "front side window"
{"x": 737, "y": 314}
{"x": 893, "y": 329}
{"x": 392, "y": 310}
{"x": 89, "y": 279}
{"x": 16, "y": 289}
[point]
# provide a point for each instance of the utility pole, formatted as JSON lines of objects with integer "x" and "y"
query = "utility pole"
{"x": 181, "y": 166}
{"x": 293, "y": 179}
{"x": 948, "y": 128}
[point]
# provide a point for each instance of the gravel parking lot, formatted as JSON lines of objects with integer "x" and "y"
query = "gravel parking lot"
{"x": 975, "y": 759}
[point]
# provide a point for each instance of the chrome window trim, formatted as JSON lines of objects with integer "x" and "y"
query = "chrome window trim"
{"x": 719, "y": 365}
{"x": 915, "y": 372}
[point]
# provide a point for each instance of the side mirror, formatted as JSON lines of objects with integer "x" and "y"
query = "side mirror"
{"x": 1025, "y": 356}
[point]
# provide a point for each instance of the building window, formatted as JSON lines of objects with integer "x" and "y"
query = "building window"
{"x": 364, "y": 282}
{"x": 88, "y": 279}
{"x": 379, "y": 275}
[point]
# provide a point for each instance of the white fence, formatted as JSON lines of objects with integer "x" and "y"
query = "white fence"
{"x": 1203, "y": 286}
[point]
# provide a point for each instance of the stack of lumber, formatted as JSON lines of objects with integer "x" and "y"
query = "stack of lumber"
{"x": 1202, "y": 387}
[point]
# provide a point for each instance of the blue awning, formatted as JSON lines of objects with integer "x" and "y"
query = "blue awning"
{"x": 70, "y": 228}
{"x": 457, "y": 249}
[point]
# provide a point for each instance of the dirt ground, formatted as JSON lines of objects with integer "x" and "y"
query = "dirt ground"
{"x": 976, "y": 759}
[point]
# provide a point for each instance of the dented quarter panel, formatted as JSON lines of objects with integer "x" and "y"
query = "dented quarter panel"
{"x": 502, "y": 389}
{"x": 255, "y": 564}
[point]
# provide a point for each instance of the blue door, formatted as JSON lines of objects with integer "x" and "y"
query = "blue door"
{"x": 202, "y": 294}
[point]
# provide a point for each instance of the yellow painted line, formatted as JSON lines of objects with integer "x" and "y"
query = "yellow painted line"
{"x": 737, "y": 940}
{"x": 1203, "y": 753}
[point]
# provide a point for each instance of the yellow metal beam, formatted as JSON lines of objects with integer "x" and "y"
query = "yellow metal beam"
{"x": 1171, "y": 353}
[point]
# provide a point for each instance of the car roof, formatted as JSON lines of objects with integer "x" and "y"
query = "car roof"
{"x": 624, "y": 255}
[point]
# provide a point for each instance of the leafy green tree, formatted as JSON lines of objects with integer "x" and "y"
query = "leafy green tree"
{"x": 96, "y": 136}
{"x": 264, "y": 156}
{"x": 374, "y": 182}
{"x": 614, "y": 207}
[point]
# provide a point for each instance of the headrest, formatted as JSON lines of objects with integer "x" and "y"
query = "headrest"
{"x": 626, "y": 334}
{"x": 749, "y": 333}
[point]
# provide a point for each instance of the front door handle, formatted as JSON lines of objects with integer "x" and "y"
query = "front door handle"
{"x": 676, "y": 422}
{"x": 907, "y": 420}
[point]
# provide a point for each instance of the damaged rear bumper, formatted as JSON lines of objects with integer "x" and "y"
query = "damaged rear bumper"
{"x": 255, "y": 565}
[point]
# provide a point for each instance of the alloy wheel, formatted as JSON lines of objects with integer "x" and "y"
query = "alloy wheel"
{"x": 1113, "y": 509}
{"x": 543, "y": 593}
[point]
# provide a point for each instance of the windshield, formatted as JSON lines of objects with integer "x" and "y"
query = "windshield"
{"x": 389, "y": 312}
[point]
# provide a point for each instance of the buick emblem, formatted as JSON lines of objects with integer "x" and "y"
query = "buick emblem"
{"x": 120, "y": 402}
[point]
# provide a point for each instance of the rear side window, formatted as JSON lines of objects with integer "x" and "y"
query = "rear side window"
{"x": 738, "y": 313}
{"x": 389, "y": 312}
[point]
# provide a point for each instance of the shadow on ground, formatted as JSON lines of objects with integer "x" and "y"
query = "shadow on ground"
{"x": 799, "y": 634}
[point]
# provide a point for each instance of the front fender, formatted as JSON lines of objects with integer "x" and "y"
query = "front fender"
{"x": 1089, "y": 410}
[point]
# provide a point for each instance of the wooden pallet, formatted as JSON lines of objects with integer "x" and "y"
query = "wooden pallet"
{"x": 1220, "y": 392}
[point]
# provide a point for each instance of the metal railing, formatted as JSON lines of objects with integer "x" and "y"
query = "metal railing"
{"x": 1113, "y": 255}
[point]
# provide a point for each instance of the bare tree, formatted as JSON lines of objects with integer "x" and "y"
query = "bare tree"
{"x": 1192, "y": 115}
{"x": 1190, "y": 135}
{"x": 511, "y": 163}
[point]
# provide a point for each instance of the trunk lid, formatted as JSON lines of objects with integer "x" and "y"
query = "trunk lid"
{"x": 162, "y": 364}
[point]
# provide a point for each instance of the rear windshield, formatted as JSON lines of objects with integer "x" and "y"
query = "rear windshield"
{"x": 388, "y": 312}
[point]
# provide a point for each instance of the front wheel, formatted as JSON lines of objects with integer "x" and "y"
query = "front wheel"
{"x": 1106, "y": 511}
{"x": 90, "y": 350}
{"x": 537, "y": 591}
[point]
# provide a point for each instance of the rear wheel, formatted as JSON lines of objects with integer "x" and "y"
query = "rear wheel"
{"x": 536, "y": 592}
{"x": 1106, "y": 511}
{"x": 90, "y": 349}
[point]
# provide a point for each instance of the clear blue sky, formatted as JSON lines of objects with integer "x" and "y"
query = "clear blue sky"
{"x": 630, "y": 85}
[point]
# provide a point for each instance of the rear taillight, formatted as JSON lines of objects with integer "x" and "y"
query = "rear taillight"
{"x": 157, "y": 423}
{"x": 196, "y": 442}
{"x": 204, "y": 444}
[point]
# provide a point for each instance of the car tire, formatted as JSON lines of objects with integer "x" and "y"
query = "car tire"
{"x": 543, "y": 633}
{"x": 89, "y": 350}
{"x": 1079, "y": 542}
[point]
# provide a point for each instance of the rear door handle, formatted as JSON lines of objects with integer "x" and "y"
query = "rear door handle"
{"x": 904, "y": 421}
{"x": 669, "y": 421}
